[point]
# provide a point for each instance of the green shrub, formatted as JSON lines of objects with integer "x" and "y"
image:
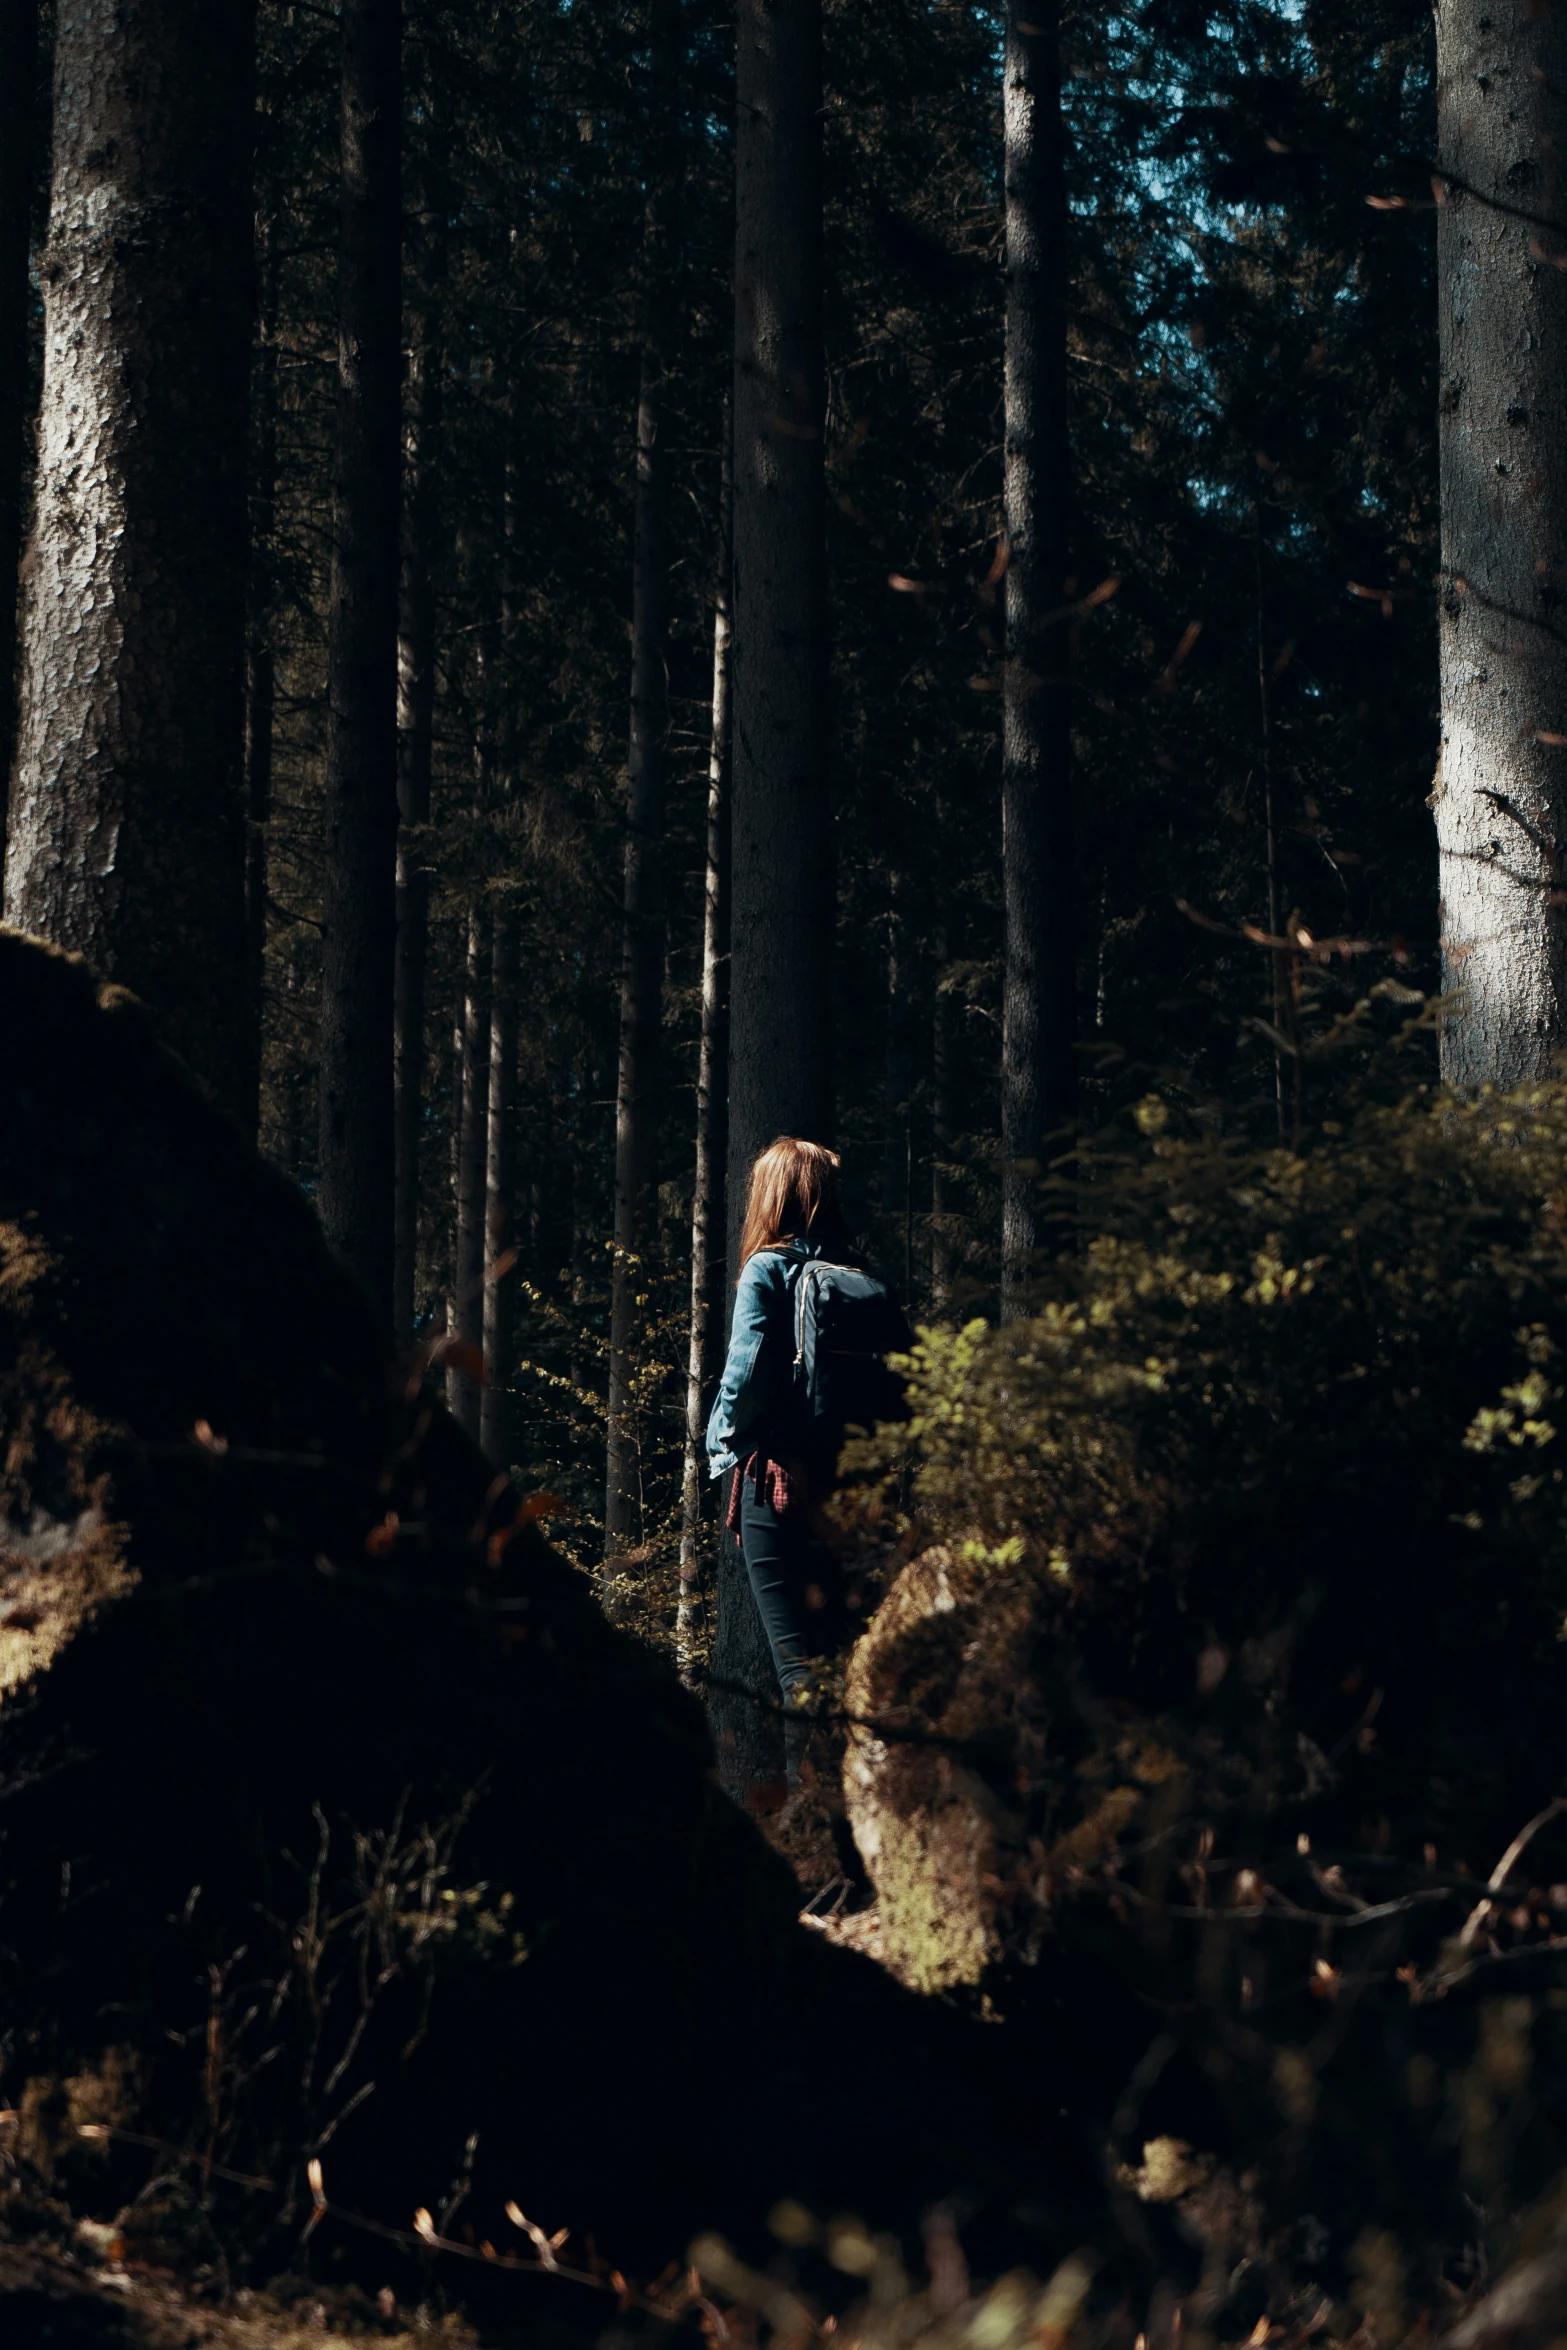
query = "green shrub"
{"x": 1226, "y": 1658}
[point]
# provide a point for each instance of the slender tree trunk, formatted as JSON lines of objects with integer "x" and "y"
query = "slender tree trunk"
{"x": 454, "y": 1176}
{"x": 642, "y": 936}
{"x": 416, "y": 658}
{"x": 18, "y": 147}
{"x": 126, "y": 835}
{"x": 1501, "y": 790}
{"x": 1039, "y": 986}
{"x": 898, "y": 1081}
{"x": 711, "y": 1071}
{"x": 500, "y": 1287}
{"x": 941, "y": 1127}
{"x": 781, "y": 850}
{"x": 260, "y": 674}
{"x": 472, "y": 1138}
{"x": 642, "y": 952}
{"x": 359, "y": 909}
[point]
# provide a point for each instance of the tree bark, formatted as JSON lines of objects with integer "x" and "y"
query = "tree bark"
{"x": 1039, "y": 986}
{"x": 711, "y": 1107}
{"x": 642, "y": 935}
{"x": 500, "y": 1288}
{"x": 462, "y": 1387}
{"x": 898, "y": 1079}
{"x": 359, "y": 913}
{"x": 416, "y": 657}
{"x": 642, "y": 951}
{"x": 1501, "y": 789}
{"x": 943, "y": 1058}
{"x": 126, "y": 834}
{"x": 454, "y": 1178}
{"x": 18, "y": 144}
{"x": 260, "y": 673}
{"x": 781, "y": 850}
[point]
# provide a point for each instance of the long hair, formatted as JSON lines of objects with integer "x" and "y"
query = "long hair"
{"x": 793, "y": 1190}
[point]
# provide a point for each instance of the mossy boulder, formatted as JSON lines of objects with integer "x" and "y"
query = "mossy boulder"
{"x": 339, "y": 1824}
{"x": 931, "y": 1771}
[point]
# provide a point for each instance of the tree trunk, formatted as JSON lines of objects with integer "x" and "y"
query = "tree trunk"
{"x": 416, "y": 655}
{"x": 642, "y": 935}
{"x": 1501, "y": 790}
{"x": 500, "y": 1287}
{"x": 359, "y": 911}
{"x": 782, "y": 863}
{"x": 711, "y": 1107}
{"x": 260, "y": 673}
{"x": 18, "y": 143}
{"x": 896, "y": 1199}
{"x": 1039, "y": 985}
{"x": 462, "y": 1387}
{"x": 943, "y": 1058}
{"x": 642, "y": 951}
{"x": 454, "y": 1179}
{"x": 126, "y": 835}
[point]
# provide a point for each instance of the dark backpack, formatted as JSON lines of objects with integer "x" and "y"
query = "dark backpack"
{"x": 846, "y": 1323}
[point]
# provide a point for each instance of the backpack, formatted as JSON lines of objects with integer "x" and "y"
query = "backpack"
{"x": 846, "y": 1323}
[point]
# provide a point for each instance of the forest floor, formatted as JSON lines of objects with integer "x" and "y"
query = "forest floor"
{"x": 52, "y": 2297}
{"x": 86, "y": 2298}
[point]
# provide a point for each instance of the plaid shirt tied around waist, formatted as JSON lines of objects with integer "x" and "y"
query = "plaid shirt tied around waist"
{"x": 773, "y": 1483}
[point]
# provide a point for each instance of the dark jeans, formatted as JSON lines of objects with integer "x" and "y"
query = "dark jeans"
{"x": 785, "y": 1563}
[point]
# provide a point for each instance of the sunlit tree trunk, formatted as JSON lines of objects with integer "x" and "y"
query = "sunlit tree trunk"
{"x": 359, "y": 911}
{"x": 1501, "y": 788}
{"x": 126, "y": 833}
{"x": 1039, "y": 981}
{"x": 707, "y": 1189}
{"x": 642, "y": 937}
{"x": 781, "y": 841}
{"x": 500, "y": 1286}
{"x": 416, "y": 659}
{"x": 18, "y": 147}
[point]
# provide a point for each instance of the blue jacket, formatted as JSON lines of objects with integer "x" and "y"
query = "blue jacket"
{"x": 760, "y": 1364}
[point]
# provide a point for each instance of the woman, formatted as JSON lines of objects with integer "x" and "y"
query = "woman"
{"x": 793, "y": 1213}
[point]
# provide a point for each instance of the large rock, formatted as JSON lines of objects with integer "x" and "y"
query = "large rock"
{"x": 338, "y": 1822}
{"x": 934, "y": 1691}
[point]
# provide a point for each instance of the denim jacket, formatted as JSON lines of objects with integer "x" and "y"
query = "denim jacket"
{"x": 760, "y": 1362}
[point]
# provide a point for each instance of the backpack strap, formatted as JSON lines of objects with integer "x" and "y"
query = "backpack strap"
{"x": 806, "y": 1270}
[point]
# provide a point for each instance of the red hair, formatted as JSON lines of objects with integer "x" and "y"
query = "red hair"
{"x": 793, "y": 1187}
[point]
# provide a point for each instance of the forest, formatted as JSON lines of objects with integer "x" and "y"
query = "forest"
{"x": 783, "y": 1174}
